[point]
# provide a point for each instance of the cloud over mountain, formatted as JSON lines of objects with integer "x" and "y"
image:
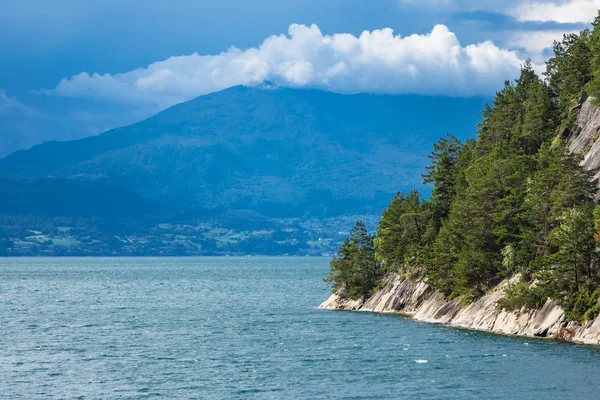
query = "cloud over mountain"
{"x": 377, "y": 61}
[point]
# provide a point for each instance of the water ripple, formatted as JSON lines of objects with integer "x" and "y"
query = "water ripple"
{"x": 239, "y": 328}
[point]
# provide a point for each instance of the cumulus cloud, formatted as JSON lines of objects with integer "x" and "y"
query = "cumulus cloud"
{"x": 377, "y": 62}
{"x": 572, "y": 11}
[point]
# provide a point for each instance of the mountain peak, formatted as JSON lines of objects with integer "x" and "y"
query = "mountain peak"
{"x": 265, "y": 85}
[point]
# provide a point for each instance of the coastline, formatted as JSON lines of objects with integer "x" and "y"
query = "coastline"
{"x": 419, "y": 301}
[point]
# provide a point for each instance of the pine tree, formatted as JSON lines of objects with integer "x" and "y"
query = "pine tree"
{"x": 443, "y": 256}
{"x": 594, "y": 85}
{"x": 569, "y": 70}
{"x": 401, "y": 230}
{"x": 442, "y": 174}
{"x": 354, "y": 271}
{"x": 514, "y": 201}
{"x": 575, "y": 244}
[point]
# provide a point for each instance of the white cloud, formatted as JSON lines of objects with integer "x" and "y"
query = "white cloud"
{"x": 572, "y": 11}
{"x": 12, "y": 106}
{"x": 377, "y": 62}
{"x": 536, "y": 42}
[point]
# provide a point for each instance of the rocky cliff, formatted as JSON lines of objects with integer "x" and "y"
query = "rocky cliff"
{"x": 419, "y": 300}
{"x": 583, "y": 136}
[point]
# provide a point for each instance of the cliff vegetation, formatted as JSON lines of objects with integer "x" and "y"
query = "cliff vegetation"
{"x": 514, "y": 203}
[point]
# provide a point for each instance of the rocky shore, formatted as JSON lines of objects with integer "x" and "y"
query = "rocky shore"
{"x": 417, "y": 299}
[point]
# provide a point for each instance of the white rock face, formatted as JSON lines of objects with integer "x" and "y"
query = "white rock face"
{"x": 584, "y": 138}
{"x": 405, "y": 296}
{"x": 587, "y": 128}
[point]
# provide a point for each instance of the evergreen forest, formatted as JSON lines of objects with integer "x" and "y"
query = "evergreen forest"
{"x": 513, "y": 203}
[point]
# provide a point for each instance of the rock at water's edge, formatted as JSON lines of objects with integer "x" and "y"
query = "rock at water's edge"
{"x": 406, "y": 296}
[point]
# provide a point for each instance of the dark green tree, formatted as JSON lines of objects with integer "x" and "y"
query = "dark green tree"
{"x": 594, "y": 85}
{"x": 569, "y": 70}
{"x": 401, "y": 229}
{"x": 442, "y": 174}
{"x": 514, "y": 201}
{"x": 575, "y": 244}
{"x": 444, "y": 251}
{"x": 354, "y": 271}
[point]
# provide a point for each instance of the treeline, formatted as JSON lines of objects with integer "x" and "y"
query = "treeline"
{"x": 513, "y": 202}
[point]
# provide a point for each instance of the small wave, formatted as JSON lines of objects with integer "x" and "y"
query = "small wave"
{"x": 420, "y": 361}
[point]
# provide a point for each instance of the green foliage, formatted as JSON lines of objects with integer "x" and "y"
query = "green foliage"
{"x": 442, "y": 174}
{"x": 521, "y": 294}
{"x": 446, "y": 245}
{"x": 401, "y": 230}
{"x": 582, "y": 305}
{"x": 509, "y": 259}
{"x": 594, "y": 85}
{"x": 569, "y": 70}
{"x": 574, "y": 242}
{"x": 513, "y": 202}
{"x": 440, "y": 267}
{"x": 557, "y": 185}
{"x": 354, "y": 271}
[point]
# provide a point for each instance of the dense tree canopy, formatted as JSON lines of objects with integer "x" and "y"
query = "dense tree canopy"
{"x": 514, "y": 201}
{"x": 354, "y": 271}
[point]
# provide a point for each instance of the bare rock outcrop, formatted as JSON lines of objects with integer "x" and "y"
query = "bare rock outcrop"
{"x": 583, "y": 136}
{"x": 417, "y": 299}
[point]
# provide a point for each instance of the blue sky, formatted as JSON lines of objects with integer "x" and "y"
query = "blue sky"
{"x": 71, "y": 68}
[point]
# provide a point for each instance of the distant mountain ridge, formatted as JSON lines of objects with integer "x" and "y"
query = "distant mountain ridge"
{"x": 280, "y": 152}
{"x": 249, "y": 170}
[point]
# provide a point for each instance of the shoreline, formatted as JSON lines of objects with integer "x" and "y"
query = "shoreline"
{"x": 410, "y": 316}
{"x": 418, "y": 301}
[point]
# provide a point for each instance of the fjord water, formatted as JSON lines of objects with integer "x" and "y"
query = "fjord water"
{"x": 222, "y": 328}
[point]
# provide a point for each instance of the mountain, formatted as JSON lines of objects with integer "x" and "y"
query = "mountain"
{"x": 279, "y": 152}
{"x": 60, "y": 197}
{"x": 244, "y": 171}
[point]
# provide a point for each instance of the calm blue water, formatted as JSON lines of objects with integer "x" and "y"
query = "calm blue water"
{"x": 223, "y": 328}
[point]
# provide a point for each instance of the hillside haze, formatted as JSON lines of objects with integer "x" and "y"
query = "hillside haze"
{"x": 281, "y": 152}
